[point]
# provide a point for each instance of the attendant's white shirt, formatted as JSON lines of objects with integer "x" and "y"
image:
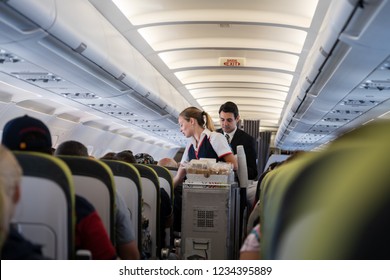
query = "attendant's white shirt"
{"x": 217, "y": 141}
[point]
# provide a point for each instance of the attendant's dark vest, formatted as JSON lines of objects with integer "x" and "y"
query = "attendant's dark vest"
{"x": 205, "y": 150}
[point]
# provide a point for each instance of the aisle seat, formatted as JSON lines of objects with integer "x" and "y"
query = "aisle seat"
{"x": 45, "y": 213}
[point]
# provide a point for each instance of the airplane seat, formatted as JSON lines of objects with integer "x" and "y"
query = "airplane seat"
{"x": 165, "y": 178}
{"x": 336, "y": 208}
{"x": 242, "y": 174}
{"x": 242, "y": 171}
{"x": 45, "y": 213}
{"x": 94, "y": 181}
{"x": 274, "y": 187}
{"x": 128, "y": 184}
{"x": 150, "y": 211}
{"x": 172, "y": 170}
{"x": 166, "y": 182}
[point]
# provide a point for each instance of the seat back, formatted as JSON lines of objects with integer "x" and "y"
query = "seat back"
{"x": 242, "y": 167}
{"x": 128, "y": 184}
{"x": 45, "y": 212}
{"x": 165, "y": 178}
{"x": 166, "y": 182}
{"x": 94, "y": 181}
{"x": 335, "y": 204}
{"x": 150, "y": 210}
{"x": 172, "y": 170}
{"x": 274, "y": 189}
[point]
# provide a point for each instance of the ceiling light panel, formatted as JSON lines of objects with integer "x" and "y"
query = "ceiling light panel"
{"x": 297, "y": 12}
{"x": 237, "y": 85}
{"x": 227, "y": 75}
{"x": 192, "y": 36}
{"x": 271, "y": 106}
{"x": 238, "y": 93}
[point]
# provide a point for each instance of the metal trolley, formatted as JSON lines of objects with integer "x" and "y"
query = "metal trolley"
{"x": 210, "y": 219}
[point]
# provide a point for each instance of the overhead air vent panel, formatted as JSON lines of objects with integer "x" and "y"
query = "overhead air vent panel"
{"x": 347, "y": 112}
{"x": 121, "y": 114}
{"x": 336, "y": 120}
{"x": 6, "y": 57}
{"x": 356, "y": 102}
{"x": 376, "y": 85}
{"x": 80, "y": 95}
{"x": 37, "y": 77}
{"x": 102, "y": 106}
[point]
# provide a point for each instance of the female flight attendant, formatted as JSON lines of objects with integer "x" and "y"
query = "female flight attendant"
{"x": 204, "y": 141}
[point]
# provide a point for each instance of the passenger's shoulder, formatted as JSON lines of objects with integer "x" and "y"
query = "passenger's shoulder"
{"x": 83, "y": 207}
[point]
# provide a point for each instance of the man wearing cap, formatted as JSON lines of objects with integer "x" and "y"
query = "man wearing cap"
{"x": 27, "y": 134}
{"x": 229, "y": 117}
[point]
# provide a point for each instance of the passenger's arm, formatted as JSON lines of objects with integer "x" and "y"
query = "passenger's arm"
{"x": 246, "y": 255}
{"x": 126, "y": 245}
{"x": 128, "y": 251}
{"x": 91, "y": 235}
{"x": 181, "y": 173}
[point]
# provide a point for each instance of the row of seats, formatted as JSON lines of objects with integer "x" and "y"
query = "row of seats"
{"x": 45, "y": 214}
{"x": 332, "y": 204}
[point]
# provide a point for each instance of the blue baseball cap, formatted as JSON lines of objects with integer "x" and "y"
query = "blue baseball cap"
{"x": 26, "y": 134}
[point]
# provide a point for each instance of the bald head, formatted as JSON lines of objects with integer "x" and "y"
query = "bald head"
{"x": 167, "y": 162}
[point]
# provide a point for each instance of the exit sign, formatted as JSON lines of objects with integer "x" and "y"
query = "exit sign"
{"x": 232, "y": 61}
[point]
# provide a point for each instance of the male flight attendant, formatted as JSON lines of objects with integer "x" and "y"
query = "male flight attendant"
{"x": 229, "y": 117}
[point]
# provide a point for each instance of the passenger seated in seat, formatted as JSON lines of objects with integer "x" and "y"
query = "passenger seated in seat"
{"x": 30, "y": 134}
{"x": 250, "y": 250}
{"x": 167, "y": 162}
{"x": 16, "y": 247}
{"x": 177, "y": 196}
{"x": 126, "y": 156}
{"x": 109, "y": 155}
{"x": 126, "y": 245}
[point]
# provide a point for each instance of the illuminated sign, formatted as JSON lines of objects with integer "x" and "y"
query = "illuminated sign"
{"x": 232, "y": 61}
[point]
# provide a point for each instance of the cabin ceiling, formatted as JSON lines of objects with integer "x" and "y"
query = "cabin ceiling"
{"x": 248, "y": 52}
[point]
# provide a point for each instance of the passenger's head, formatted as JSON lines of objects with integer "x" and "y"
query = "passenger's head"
{"x": 191, "y": 117}
{"x": 27, "y": 134}
{"x": 144, "y": 158}
{"x": 126, "y": 156}
{"x": 109, "y": 155}
{"x": 229, "y": 116}
{"x": 273, "y": 165}
{"x": 167, "y": 162}
{"x": 71, "y": 148}
{"x": 10, "y": 177}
